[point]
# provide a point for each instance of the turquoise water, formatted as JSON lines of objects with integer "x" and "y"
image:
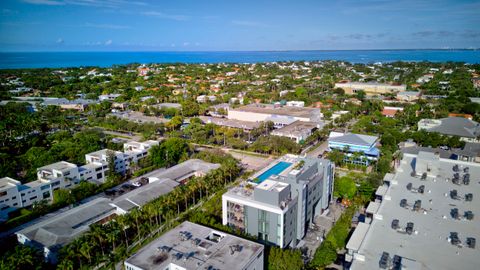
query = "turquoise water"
{"x": 275, "y": 170}
{"x": 107, "y": 59}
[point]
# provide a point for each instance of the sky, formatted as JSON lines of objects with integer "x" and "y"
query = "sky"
{"x": 196, "y": 25}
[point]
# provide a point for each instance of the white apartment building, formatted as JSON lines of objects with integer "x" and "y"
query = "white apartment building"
{"x": 65, "y": 175}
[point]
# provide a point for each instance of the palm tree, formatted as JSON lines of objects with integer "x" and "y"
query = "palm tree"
{"x": 122, "y": 222}
{"x": 97, "y": 232}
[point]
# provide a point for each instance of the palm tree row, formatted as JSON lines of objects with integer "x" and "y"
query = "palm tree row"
{"x": 109, "y": 243}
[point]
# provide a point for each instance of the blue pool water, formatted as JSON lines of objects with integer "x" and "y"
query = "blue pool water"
{"x": 277, "y": 169}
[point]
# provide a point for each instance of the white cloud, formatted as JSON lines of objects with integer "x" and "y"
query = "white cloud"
{"x": 107, "y": 26}
{"x": 60, "y": 40}
{"x": 108, "y": 42}
{"x": 162, "y": 15}
{"x": 185, "y": 44}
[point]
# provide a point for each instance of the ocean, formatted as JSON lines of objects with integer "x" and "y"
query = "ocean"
{"x": 13, "y": 60}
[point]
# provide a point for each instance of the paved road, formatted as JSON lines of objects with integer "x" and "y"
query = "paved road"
{"x": 320, "y": 149}
{"x": 133, "y": 136}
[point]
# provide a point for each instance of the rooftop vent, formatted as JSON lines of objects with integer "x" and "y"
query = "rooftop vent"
{"x": 454, "y": 194}
{"x": 454, "y": 213}
{"x": 397, "y": 262}
{"x": 409, "y": 228}
{"x": 421, "y": 189}
{"x": 403, "y": 203}
{"x": 424, "y": 176}
{"x": 178, "y": 255}
{"x": 471, "y": 242}
{"x": 384, "y": 262}
{"x": 395, "y": 224}
{"x": 466, "y": 179}
{"x": 164, "y": 249}
{"x": 468, "y": 215}
{"x": 417, "y": 205}
{"x": 466, "y": 169}
{"x": 468, "y": 197}
{"x": 409, "y": 186}
{"x": 235, "y": 248}
{"x": 454, "y": 238}
{"x": 455, "y": 168}
{"x": 184, "y": 235}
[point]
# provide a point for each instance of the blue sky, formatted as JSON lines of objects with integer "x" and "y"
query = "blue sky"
{"x": 196, "y": 25}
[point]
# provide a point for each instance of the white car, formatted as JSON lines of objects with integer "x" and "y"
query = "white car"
{"x": 136, "y": 184}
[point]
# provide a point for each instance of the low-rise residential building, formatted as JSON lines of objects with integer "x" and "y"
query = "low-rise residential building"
{"x": 205, "y": 98}
{"x": 370, "y": 88}
{"x": 351, "y": 143}
{"x": 190, "y": 246}
{"x": 224, "y": 122}
{"x": 294, "y": 103}
{"x": 108, "y": 97}
{"x": 468, "y": 130}
{"x": 426, "y": 211}
{"x": 278, "y": 203}
{"x": 53, "y": 233}
{"x": 408, "y": 96}
{"x": 279, "y": 115}
{"x": 391, "y": 111}
{"x": 297, "y": 131}
{"x": 161, "y": 182}
{"x": 65, "y": 175}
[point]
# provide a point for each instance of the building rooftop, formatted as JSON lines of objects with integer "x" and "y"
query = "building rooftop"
{"x": 430, "y": 244}
{"x": 58, "y": 166}
{"x": 297, "y": 128}
{"x": 457, "y": 126}
{"x": 193, "y": 246}
{"x": 279, "y": 110}
{"x": 183, "y": 170}
{"x": 144, "y": 194}
{"x": 7, "y": 182}
{"x": 354, "y": 139}
{"x": 229, "y": 122}
{"x": 63, "y": 228}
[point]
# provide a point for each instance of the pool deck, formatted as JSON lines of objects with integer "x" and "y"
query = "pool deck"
{"x": 291, "y": 159}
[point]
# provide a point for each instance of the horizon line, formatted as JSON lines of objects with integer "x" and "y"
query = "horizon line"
{"x": 203, "y": 51}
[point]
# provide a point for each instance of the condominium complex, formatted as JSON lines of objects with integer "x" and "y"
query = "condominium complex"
{"x": 427, "y": 211}
{"x": 65, "y": 175}
{"x": 58, "y": 230}
{"x": 358, "y": 148}
{"x": 191, "y": 246}
{"x": 468, "y": 130}
{"x": 278, "y": 203}
{"x": 370, "y": 88}
{"x": 51, "y": 234}
{"x": 278, "y": 114}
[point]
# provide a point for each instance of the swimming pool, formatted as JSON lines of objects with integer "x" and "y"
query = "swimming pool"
{"x": 276, "y": 169}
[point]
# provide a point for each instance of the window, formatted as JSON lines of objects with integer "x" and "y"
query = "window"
{"x": 45, "y": 187}
{"x": 46, "y": 195}
{"x": 33, "y": 198}
{"x": 3, "y": 193}
{"x": 56, "y": 184}
{"x": 15, "y": 204}
{"x": 99, "y": 175}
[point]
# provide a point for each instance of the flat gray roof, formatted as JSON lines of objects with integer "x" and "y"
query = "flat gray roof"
{"x": 457, "y": 126}
{"x": 296, "y": 128}
{"x": 58, "y": 166}
{"x": 283, "y": 110}
{"x": 144, "y": 194}
{"x": 428, "y": 246}
{"x": 195, "y": 254}
{"x": 356, "y": 139}
{"x": 229, "y": 122}
{"x": 63, "y": 228}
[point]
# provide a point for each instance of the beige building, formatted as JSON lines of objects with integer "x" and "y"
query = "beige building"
{"x": 370, "y": 88}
